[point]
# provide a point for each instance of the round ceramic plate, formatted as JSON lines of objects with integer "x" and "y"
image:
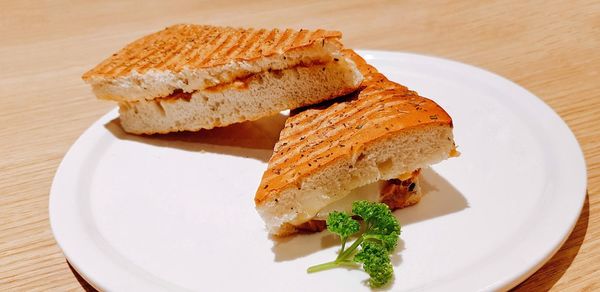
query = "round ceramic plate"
{"x": 176, "y": 212}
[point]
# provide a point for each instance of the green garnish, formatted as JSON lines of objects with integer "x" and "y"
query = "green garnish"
{"x": 373, "y": 245}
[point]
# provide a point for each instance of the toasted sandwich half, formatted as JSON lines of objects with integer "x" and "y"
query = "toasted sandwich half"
{"x": 192, "y": 77}
{"x": 368, "y": 145}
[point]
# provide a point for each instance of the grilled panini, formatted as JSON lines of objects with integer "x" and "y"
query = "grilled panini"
{"x": 191, "y": 77}
{"x": 368, "y": 145}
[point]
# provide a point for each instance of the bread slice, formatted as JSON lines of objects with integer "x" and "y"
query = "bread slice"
{"x": 191, "y": 77}
{"x": 381, "y": 133}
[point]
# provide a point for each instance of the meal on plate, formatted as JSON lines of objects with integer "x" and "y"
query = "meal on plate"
{"x": 350, "y": 152}
{"x": 191, "y": 77}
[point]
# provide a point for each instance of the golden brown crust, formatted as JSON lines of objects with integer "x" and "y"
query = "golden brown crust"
{"x": 320, "y": 136}
{"x": 202, "y": 46}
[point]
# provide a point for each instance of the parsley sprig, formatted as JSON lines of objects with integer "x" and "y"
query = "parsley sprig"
{"x": 372, "y": 247}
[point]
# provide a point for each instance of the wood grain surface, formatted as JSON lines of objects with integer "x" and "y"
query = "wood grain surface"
{"x": 551, "y": 48}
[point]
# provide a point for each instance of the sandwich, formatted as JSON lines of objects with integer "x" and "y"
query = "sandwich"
{"x": 367, "y": 145}
{"x": 191, "y": 77}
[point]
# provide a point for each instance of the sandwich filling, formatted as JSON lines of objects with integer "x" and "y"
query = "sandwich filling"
{"x": 396, "y": 193}
{"x": 241, "y": 82}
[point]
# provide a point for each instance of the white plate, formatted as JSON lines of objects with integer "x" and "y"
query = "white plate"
{"x": 177, "y": 212}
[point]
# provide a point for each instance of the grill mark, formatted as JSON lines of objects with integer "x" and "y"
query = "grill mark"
{"x": 355, "y": 106}
{"x": 270, "y": 39}
{"x": 232, "y": 49}
{"x": 206, "y": 51}
{"x": 318, "y": 152}
{"x": 192, "y": 50}
{"x": 319, "y": 33}
{"x": 317, "y": 124}
{"x": 358, "y": 113}
{"x": 204, "y": 46}
{"x": 163, "y": 49}
{"x": 214, "y": 44}
{"x": 214, "y": 55}
{"x": 315, "y": 118}
{"x": 315, "y": 115}
{"x": 173, "y": 55}
{"x": 327, "y": 134}
{"x": 287, "y": 177}
{"x": 379, "y": 120}
{"x": 207, "y": 60}
{"x": 113, "y": 66}
{"x": 299, "y": 37}
{"x": 353, "y": 117}
{"x": 125, "y": 55}
{"x": 156, "y": 51}
{"x": 227, "y": 47}
{"x": 258, "y": 46}
{"x": 284, "y": 42}
{"x": 144, "y": 60}
{"x": 195, "y": 49}
{"x": 365, "y": 94}
{"x": 249, "y": 43}
{"x": 170, "y": 55}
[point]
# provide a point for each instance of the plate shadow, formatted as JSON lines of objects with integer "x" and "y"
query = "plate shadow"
{"x": 84, "y": 284}
{"x": 546, "y": 277}
{"x": 255, "y": 139}
{"x": 440, "y": 198}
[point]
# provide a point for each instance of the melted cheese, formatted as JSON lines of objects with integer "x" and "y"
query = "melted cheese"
{"x": 368, "y": 192}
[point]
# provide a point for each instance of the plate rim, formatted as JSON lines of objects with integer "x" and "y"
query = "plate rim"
{"x": 79, "y": 257}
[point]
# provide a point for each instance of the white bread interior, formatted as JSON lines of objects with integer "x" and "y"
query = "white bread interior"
{"x": 260, "y": 95}
{"x": 379, "y": 160}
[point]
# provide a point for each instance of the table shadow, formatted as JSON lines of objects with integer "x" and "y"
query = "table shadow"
{"x": 255, "y": 139}
{"x": 440, "y": 198}
{"x": 546, "y": 277}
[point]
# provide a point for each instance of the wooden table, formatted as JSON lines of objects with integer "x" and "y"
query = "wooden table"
{"x": 550, "y": 47}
